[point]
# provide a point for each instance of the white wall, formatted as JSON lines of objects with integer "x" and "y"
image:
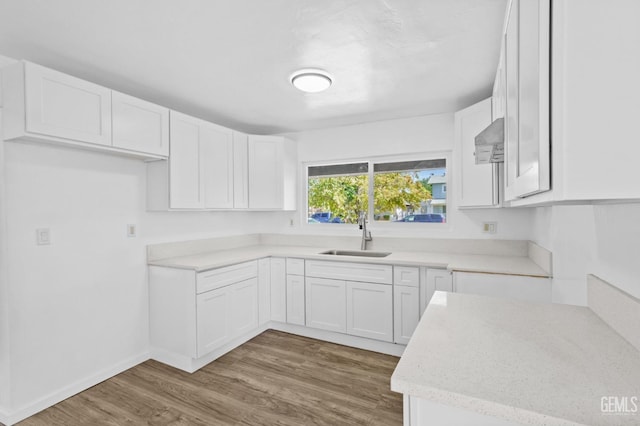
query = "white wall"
{"x": 602, "y": 239}
{"x": 78, "y": 307}
{"x": 415, "y": 136}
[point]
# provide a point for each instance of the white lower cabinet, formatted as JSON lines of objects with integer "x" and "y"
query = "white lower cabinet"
{"x": 370, "y": 310}
{"x": 535, "y": 289}
{"x": 264, "y": 290}
{"x": 225, "y": 313}
{"x": 406, "y": 308}
{"x": 295, "y": 300}
{"x": 278, "y": 289}
{"x": 434, "y": 280}
{"x": 213, "y": 326}
{"x": 326, "y": 304}
{"x": 244, "y": 307}
{"x": 195, "y": 317}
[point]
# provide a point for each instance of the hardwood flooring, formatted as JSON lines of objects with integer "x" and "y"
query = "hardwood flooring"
{"x": 274, "y": 379}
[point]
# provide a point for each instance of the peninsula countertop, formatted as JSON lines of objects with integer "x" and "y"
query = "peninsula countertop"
{"x": 511, "y": 265}
{"x": 531, "y": 363}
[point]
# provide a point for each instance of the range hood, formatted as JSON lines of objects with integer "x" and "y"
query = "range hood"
{"x": 490, "y": 143}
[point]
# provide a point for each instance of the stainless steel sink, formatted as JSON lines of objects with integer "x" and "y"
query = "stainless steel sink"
{"x": 356, "y": 253}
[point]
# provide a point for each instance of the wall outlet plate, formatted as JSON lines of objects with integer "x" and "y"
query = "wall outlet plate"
{"x": 489, "y": 227}
{"x": 43, "y": 236}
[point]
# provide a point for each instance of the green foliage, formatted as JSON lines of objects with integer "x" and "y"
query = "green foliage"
{"x": 344, "y": 196}
{"x": 398, "y": 191}
{"x": 347, "y": 196}
{"x": 426, "y": 184}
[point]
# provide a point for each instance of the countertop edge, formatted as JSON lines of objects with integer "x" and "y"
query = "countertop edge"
{"x": 479, "y": 405}
{"x": 262, "y": 252}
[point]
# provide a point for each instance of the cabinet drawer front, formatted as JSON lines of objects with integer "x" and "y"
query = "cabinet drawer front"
{"x": 295, "y": 266}
{"x": 217, "y": 278}
{"x": 363, "y": 272}
{"x": 409, "y": 276}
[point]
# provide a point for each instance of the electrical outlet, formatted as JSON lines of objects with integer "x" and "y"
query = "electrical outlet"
{"x": 490, "y": 227}
{"x": 291, "y": 222}
{"x": 43, "y": 236}
{"x": 131, "y": 230}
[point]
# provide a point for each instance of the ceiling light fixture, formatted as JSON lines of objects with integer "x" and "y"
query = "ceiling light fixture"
{"x": 311, "y": 80}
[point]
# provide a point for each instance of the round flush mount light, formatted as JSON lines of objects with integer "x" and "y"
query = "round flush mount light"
{"x": 311, "y": 80}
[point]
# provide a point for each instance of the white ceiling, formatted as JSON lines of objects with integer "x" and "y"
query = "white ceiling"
{"x": 229, "y": 61}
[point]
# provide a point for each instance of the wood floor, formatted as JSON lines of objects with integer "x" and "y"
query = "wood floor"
{"x": 274, "y": 379}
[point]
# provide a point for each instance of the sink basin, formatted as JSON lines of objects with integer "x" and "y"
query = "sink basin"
{"x": 360, "y": 253}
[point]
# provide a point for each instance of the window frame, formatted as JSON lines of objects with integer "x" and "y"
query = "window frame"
{"x": 372, "y": 224}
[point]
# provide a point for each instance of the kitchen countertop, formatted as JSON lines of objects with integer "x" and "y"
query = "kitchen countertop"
{"x": 532, "y": 363}
{"x": 511, "y": 265}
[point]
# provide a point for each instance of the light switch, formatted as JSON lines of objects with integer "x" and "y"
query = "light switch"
{"x": 131, "y": 230}
{"x": 43, "y": 236}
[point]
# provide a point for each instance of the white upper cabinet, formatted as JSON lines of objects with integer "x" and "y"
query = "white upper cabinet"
{"x": 478, "y": 183}
{"x": 139, "y": 125}
{"x": 185, "y": 168}
{"x": 240, "y": 171}
{"x": 216, "y": 159}
{"x": 591, "y": 89}
{"x": 527, "y": 147}
{"x": 200, "y": 170}
{"x": 272, "y": 173}
{"x": 42, "y": 103}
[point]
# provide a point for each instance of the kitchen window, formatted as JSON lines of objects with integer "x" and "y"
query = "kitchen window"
{"x": 412, "y": 191}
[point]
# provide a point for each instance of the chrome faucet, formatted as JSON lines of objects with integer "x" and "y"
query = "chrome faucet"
{"x": 366, "y": 235}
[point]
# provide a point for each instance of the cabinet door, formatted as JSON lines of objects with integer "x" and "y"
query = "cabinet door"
{"x": 139, "y": 125}
{"x": 265, "y": 172}
{"x": 216, "y": 158}
{"x": 240, "y": 171}
{"x": 436, "y": 280}
{"x": 498, "y": 96}
{"x": 527, "y": 69}
{"x": 213, "y": 328}
{"x": 264, "y": 291}
{"x": 533, "y": 289}
{"x": 406, "y": 308}
{"x": 244, "y": 307}
{"x": 326, "y": 304}
{"x": 185, "y": 184}
{"x": 60, "y": 105}
{"x": 278, "y": 290}
{"x": 295, "y": 299}
{"x": 478, "y": 182}
{"x": 370, "y": 310}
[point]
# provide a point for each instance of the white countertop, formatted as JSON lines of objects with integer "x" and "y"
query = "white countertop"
{"x": 532, "y": 363}
{"x": 512, "y": 265}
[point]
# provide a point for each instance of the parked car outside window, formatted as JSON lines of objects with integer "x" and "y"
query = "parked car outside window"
{"x": 428, "y": 217}
{"x": 325, "y": 217}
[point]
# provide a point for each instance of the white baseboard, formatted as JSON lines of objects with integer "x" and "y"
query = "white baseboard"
{"x": 11, "y": 417}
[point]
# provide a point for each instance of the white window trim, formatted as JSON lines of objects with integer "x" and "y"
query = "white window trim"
{"x": 372, "y": 224}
